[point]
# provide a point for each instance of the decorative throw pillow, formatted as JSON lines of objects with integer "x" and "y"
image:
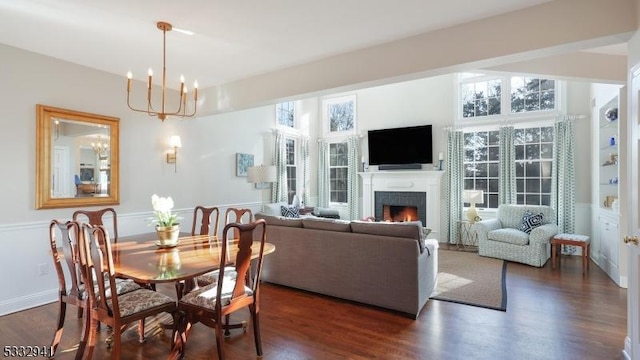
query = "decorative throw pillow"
{"x": 290, "y": 211}
{"x": 530, "y": 221}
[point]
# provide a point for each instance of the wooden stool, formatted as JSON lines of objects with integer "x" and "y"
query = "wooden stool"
{"x": 573, "y": 240}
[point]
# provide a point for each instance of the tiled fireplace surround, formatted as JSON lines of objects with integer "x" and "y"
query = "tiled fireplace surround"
{"x": 415, "y": 188}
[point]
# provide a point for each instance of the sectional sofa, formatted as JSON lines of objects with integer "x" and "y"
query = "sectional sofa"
{"x": 387, "y": 265}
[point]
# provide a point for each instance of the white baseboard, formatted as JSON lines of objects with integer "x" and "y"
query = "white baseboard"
{"x": 27, "y": 302}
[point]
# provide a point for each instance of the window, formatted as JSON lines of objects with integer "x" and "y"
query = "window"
{"x": 531, "y": 94}
{"x": 481, "y": 165}
{"x": 482, "y": 96}
{"x": 338, "y": 169}
{"x": 339, "y": 115}
{"x": 285, "y": 114}
{"x": 534, "y": 163}
{"x": 291, "y": 168}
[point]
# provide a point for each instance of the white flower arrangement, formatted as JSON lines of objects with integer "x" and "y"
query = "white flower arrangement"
{"x": 163, "y": 216}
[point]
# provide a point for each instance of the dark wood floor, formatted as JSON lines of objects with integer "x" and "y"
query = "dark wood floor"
{"x": 550, "y": 315}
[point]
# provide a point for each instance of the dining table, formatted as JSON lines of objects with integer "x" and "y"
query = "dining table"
{"x": 141, "y": 258}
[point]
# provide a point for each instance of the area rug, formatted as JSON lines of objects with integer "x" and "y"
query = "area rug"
{"x": 470, "y": 279}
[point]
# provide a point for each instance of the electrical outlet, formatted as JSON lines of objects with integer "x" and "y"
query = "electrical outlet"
{"x": 43, "y": 269}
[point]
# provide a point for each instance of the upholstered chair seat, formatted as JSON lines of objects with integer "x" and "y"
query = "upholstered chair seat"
{"x": 123, "y": 286}
{"x": 206, "y": 295}
{"x": 511, "y": 236}
{"x": 212, "y": 277}
{"x": 141, "y": 300}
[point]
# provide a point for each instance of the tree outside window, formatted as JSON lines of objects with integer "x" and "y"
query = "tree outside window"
{"x": 534, "y": 164}
{"x": 481, "y": 165}
{"x": 338, "y": 169}
{"x": 532, "y": 94}
{"x": 285, "y": 114}
{"x": 340, "y": 114}
{"x": 482, "y": 98}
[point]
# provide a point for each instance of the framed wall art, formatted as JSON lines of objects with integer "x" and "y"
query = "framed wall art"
{"x": 243, "y": 162}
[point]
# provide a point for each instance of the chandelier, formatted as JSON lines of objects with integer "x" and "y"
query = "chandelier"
{"x": 101, "y": 148}
{"x": 182, "y": 105}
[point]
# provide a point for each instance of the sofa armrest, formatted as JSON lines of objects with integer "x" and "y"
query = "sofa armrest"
{"x": 483, "y": 227}
{"x": 543, "y": 234}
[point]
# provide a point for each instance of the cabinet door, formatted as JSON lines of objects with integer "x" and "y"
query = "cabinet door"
{"x": 605, "y": 246}
{"x": 609, "y": 234}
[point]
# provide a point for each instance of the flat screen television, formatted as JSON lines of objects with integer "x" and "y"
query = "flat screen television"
{"x": 400, "y": 146}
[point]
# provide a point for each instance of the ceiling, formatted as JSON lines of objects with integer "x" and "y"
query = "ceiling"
{"x": 233, "y": 39}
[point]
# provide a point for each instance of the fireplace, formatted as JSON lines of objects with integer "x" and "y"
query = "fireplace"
{"x": 398, "y": 213}
{"x": 400, "y": 206}
{"x": 404, "y": 188}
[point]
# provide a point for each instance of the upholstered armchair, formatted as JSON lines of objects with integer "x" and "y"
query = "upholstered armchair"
{"x": 503, "y": 238}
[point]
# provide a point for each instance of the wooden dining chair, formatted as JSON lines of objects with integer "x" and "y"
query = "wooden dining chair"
{"x": 123, "y": 309}
{"x": 63, "y": 238}
{"x": 209, "y": 304}
{"x": 98, "y": 217}
{"x": 232, "y": 215}
{"x": 235, "y": 215}
{"x": 204, "y": 217}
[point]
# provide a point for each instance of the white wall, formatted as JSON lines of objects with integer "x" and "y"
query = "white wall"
{"x": 418, "y": 102}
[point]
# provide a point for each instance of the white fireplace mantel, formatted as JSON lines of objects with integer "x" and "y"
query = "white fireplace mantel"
{"x": 417, "y": 181}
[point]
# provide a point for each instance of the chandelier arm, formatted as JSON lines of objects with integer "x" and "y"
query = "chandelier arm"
{"x": 152, "y": 113}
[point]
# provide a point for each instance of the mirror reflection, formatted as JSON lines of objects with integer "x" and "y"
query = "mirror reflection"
{"x": 77, "y": 158}
{"x": 81, "y": 165}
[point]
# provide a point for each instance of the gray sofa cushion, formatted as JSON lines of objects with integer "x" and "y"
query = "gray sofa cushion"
{"x": 508, "y": 235}
{"x": 326, "y": 224}
{"x": 409, "y": 230}
{"x": 280, "y": 220}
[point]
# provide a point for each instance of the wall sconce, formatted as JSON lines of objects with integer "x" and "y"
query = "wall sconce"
{"x": 172, "y": 157}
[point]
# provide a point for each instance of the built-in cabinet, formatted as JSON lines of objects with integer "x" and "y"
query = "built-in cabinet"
{"x": 607, "y": 248}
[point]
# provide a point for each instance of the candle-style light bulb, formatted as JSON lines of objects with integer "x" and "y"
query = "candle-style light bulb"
{"x": 182, "y": 79}
{"x": 129, "y": 76}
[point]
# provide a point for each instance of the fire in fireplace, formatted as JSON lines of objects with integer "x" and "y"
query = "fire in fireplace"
{"x": 398, "y": 213}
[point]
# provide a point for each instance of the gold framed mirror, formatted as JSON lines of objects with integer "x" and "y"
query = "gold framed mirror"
{"x": 77, "y": 158}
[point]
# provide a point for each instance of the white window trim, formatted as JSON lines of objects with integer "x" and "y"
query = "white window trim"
{"x": 335, "y": 141}
{"x": 512, "y": 118}
{"x": 285, "y": 128}
{"x": 325, "y": 120}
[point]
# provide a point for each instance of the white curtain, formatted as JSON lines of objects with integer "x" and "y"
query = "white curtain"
{"x": 304, "y": 153}
{"x": 323, "y": 173}
{"x": 454, "y": 175}
{"x": 507, "y": 171}
{"x": 352, "y": 177}
{"x": 279, "y": 187}
{"x": 563, "y": 176}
